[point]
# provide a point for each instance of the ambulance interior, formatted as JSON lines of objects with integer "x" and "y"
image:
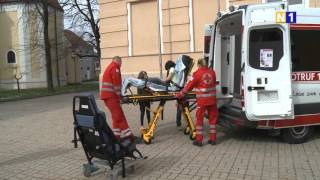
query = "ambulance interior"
{"x": 305, "y": 47}
{"x": 227, "y": 55}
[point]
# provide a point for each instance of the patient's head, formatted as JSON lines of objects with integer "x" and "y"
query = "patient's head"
{"x": 142, "y": 75}
{"x": 202, "y": 62}
{"x": 169, "y": 64}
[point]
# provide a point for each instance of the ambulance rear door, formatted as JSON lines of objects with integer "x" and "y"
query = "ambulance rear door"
{"x": 267, "y": 69}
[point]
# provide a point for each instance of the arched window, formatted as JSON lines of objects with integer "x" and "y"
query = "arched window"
{"x": 11, "y": 57}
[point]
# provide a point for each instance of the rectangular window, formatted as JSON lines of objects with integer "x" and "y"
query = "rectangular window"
{"x": 145, "y": 30}
{"x": 265, "y": 48}
{"x": 305, "y": 50}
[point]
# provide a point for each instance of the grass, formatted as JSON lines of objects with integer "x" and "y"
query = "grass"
{"x": 11, "y": 95}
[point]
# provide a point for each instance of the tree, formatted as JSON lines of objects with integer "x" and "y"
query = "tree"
{"x": 42, "y": 8}
{"x": 83, "y": 15}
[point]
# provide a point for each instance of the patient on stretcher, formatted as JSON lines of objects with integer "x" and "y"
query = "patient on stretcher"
{"x": 176, "y": 77}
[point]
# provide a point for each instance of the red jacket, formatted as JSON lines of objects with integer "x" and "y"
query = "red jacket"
{"x": 111, "y": 82}
{"x": 204, "y": 84}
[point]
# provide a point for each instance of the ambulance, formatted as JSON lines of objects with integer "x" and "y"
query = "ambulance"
{"x": 267, "y": 62}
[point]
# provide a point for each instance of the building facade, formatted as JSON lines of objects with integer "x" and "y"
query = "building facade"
{"x": 147, "y": 33}
{"x": 22, "y": 53}
{"x": 80, "y": 58}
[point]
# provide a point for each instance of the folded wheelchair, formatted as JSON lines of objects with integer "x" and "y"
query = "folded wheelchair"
{"x": 98, "y": 141}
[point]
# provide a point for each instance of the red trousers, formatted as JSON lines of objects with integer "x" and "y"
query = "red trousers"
{"x": 119, "y": 122}
{"x": 213, "y": 114}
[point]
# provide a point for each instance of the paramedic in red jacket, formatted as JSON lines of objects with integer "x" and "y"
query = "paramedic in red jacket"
{"x": 204, "y": 84}
{"x": 110, "y": 94}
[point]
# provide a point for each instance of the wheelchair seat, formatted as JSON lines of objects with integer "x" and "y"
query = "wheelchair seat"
{"x": 96, "y": 136}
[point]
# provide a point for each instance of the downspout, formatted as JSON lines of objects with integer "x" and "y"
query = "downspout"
{"x": 159, "y": 37}
{"x": 170, "y": 30}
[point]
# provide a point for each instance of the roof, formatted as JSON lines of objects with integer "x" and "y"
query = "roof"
{"x": 53, "y": 3}
{"x": 75, "y": 40}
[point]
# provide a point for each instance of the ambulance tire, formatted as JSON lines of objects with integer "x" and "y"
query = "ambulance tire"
{"x": 297, "y": 135}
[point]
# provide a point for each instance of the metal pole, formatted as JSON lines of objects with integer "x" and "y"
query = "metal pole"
{"x": 159, "y": 37}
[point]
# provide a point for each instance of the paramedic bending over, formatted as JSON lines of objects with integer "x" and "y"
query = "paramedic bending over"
{"x": 204, "y": 84}
{"x": 172, "y": 78}
{"x": 110, "y": 94}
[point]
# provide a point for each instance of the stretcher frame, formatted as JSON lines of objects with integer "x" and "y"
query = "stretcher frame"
{"x": 162, "y": 97}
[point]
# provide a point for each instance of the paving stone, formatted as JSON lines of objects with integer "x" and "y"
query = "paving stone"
{"x": 36, "y": 134}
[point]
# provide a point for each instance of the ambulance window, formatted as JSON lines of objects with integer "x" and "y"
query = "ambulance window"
{"x": 305, "y": 50}
{"x": 265, "y": 48}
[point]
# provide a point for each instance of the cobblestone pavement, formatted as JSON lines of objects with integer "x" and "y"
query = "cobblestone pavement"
{"x": 35, "y": 143}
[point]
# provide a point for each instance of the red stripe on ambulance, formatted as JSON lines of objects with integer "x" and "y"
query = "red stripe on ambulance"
{"x": 305, "y": 76}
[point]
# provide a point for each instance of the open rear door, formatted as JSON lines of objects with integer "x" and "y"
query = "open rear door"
{"x": 267, "y": 75}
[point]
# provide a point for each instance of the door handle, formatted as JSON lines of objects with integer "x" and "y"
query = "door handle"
{"x": 251, "y": 88}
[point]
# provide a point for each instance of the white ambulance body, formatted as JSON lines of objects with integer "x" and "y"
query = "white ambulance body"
{"x": 268, "y": 72}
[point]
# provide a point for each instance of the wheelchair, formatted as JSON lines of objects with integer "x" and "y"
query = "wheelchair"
{"x": 98, "y": 141}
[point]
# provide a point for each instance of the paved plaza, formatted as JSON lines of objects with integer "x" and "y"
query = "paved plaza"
{"x": 36, "y": 134}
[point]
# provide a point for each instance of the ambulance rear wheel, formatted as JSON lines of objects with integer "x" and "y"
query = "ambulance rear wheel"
{"x": 297, "y": 135}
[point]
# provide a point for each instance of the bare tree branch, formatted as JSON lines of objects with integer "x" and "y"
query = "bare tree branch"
{"x": 84, "y": 15}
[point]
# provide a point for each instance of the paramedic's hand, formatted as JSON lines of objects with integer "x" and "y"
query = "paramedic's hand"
{"x": 180, "y": 95}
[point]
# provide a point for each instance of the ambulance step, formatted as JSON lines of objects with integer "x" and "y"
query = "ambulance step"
{"x": 233, "y": 117}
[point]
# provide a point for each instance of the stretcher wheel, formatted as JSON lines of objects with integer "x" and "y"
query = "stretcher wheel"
{"x": 186, "y": 131}
{"x": 192, "y": 136}
{"x": 147, "y": 141}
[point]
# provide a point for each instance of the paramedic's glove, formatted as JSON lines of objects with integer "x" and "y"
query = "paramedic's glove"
{"x": 180, "y": 95}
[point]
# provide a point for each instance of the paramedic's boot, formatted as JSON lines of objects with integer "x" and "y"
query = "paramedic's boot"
{"x": 212, "y": 142}
{"x": 212, "y": 139}
{"x": 197, "y": 143}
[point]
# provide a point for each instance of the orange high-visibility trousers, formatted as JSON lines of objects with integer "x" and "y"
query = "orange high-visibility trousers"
{"x": 213, "y": 114}
{"x": 120, "y": 126}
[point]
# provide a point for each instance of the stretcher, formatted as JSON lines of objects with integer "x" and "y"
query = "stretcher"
{"x": 162, "y": 98}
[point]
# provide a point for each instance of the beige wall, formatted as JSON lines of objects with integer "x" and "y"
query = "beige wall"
{"x": 73, "y": 71}
{"x": 121, "y": 19}
{"x": 315, "y": 3}
{"x": 9, "y": 41}
{"x": 144, "y": 19}
{"x": 57, "y": 56}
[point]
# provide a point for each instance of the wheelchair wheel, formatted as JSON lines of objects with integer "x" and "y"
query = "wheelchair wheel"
{"x": 192, "y": 136}
{"x": 186, "y": 131}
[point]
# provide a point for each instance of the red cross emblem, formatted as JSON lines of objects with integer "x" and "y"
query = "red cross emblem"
{"x": 207, "y": 78}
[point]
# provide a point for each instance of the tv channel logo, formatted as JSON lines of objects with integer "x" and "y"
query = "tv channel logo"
{"x": 286, "y": 17}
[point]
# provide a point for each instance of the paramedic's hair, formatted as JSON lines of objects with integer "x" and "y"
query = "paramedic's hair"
{"x": 117, "y": 58}
{"x": 203, "y": 62}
